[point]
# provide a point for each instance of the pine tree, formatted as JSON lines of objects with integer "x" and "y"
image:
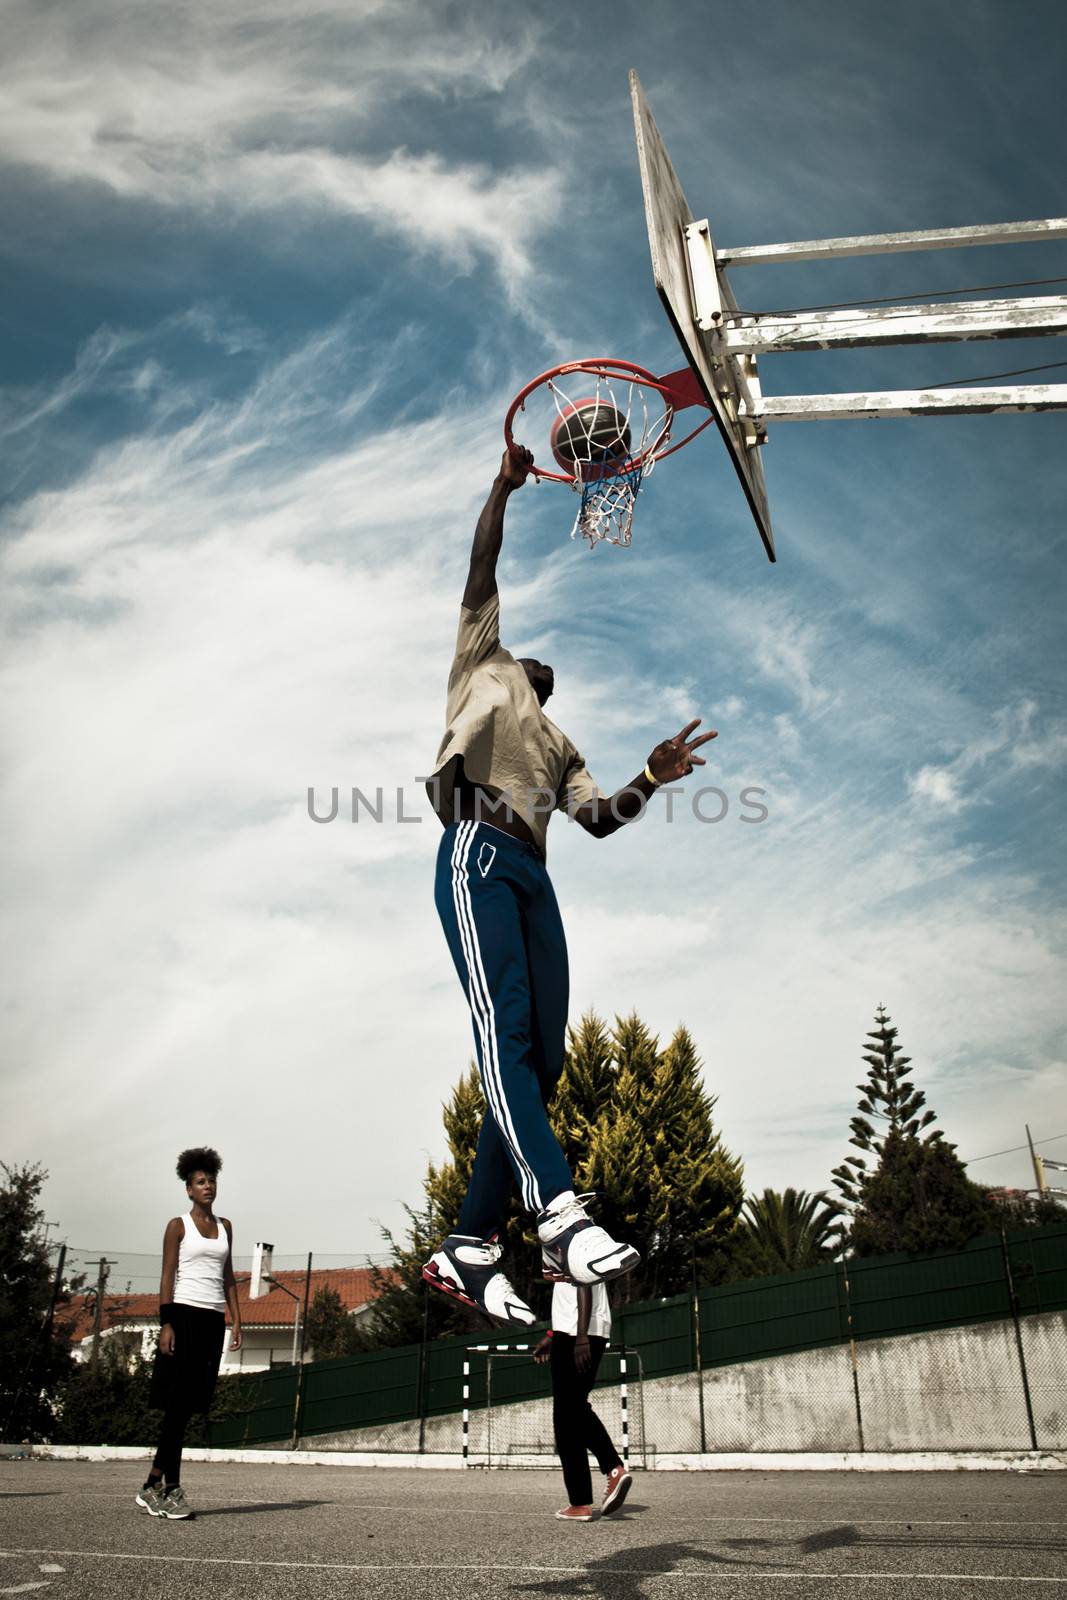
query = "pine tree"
{"x": 888, "y": 1095}
{"x": 34, "y": 1353}
{"x": 918, "y": 1198}
{"x": 916, "y": 1195}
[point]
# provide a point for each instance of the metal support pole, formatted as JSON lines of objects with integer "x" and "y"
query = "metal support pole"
{"x": 877, "y": 244}
{"x": 102, "y": 1270}
{"x": 1014, "y": 1303}
{"x": 852, "y": 1354}
{"x": 421, "y": 1394}
{"x": 700, "y": 1371}
{"x": 624, "y": 1403}
{"x": 466, "y": 1412}
{"x": 298, "y": 1401}
{"x": 765, "y": 333}
{"x": 936, "y": 401}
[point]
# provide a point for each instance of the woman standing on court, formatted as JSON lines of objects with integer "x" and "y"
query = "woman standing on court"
{"x": 194, "y": 1291}
{"x": 581, "y": 1327}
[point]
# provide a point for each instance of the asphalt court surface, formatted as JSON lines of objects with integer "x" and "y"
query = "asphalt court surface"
{"x": 70, "y": 1531}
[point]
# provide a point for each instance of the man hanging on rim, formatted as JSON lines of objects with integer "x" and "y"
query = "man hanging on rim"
{"x": 501, "y": 769}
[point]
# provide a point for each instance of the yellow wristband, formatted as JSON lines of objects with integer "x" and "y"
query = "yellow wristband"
{"x": 651, "y": 776}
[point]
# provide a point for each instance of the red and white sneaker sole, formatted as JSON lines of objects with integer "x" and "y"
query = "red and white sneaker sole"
{"x": 436, "y": 1279}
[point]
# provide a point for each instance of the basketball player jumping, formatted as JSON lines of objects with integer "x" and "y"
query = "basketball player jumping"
{"x": 501, "y": 770}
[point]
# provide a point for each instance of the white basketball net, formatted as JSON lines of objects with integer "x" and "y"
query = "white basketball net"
{"x": 605, "y": 515}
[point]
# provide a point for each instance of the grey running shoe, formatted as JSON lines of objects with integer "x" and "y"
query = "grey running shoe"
{"x": 149, "y": 1499}
{"x": 173, "y": 1504}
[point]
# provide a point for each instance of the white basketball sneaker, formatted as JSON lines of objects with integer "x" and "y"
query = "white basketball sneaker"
{"x": 574, "y": 1247}
{"x": 466, "y": 1268}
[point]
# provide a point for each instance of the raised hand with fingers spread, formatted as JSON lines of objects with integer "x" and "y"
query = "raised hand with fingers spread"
{"x": 675, "y": 758}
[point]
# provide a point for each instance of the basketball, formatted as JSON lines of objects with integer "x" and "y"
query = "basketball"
{"x": 588, "y": 433}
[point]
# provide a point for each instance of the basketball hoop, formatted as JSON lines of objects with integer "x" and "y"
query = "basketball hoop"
{"x": 607, "y": 427}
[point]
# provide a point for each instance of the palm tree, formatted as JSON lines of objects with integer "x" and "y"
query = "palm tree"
{"x": 788, "y": 1231}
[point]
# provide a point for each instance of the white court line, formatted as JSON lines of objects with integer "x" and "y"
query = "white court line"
{"x": 733, "y": 1576}
{"x": 976, "y": 1523}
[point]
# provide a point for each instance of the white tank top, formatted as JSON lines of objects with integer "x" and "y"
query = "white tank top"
{"x": 200, "y": 1262}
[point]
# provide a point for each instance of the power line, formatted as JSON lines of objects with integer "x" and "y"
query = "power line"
{"x": 1014, "y": 1149}
{"x": 1019, "y": 372}
{"x": 894, "y": 299}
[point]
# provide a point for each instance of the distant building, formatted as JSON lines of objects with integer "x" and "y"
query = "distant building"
{"x": 269, "y": 1325}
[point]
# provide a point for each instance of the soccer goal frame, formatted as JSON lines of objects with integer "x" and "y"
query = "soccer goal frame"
{"x": 492, "y": 1414}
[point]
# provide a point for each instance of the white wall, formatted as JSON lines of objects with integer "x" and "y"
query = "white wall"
{"x": 956, "y": 1389}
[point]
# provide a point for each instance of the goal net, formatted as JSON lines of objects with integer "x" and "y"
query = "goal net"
{"x": 508, "y": 1415}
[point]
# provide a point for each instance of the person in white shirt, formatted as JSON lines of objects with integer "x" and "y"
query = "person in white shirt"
{"x": 581, "y": 1328}
{"x": 196, "y": 1286}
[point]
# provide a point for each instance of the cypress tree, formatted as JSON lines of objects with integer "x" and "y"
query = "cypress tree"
{"x": 330, "y": 1329}
{"x": 635, "y": 1123}
{"x": 702, "y": 1183}
{"x": 585, "y": 1091}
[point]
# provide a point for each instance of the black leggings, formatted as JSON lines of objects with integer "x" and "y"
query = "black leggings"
{"x": 577, "y": 1427}
{"x": 184, "y": 1381}
{"x": 168, "y": 1459}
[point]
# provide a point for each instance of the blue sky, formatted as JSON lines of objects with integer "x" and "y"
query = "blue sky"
{"x": 270, "y": 276}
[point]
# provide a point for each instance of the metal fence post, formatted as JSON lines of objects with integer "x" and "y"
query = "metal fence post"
{"x": 1014, "y": 1303}
{"x": 421, "y": 1381}
{"x": 466, "y": 1411}
{"x": 700, "y": 1371}
{"x": 852, "y": 1353}
{"x": 298, "y": 1398}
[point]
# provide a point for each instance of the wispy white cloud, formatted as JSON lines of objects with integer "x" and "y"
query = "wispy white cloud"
{"x": 264, "y": 117}
{"x": 1015, "y": 739}
{"x": 938, "y": 786}
{"x": 207, "y": 621}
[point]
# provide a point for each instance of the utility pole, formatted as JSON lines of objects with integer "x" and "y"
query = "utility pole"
{"x": 103, "y": 1267}
{"x": 1039, "y": 1166}
{"x": 298, "y": 1399}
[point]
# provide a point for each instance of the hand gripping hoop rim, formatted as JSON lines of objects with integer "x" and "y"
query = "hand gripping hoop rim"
{"x": 606, "y": 367}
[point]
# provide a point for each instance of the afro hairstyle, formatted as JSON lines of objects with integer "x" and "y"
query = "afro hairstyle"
{"x": 200, "y": 1159}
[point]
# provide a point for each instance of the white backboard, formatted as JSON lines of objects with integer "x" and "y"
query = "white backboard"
{"x": 720, "y": 377}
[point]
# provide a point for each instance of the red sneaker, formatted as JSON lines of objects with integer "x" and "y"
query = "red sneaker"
{"x": 616, "y": 1490}
{"x": 576, "y": 1514}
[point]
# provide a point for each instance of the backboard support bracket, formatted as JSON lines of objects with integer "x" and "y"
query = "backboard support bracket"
{"x": 721, "y": 343}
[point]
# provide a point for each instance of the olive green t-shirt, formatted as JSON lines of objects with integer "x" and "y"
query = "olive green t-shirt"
{"x": 497, "y": 732}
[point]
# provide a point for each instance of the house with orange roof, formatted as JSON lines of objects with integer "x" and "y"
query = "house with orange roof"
{"x": 270, "y": 1324}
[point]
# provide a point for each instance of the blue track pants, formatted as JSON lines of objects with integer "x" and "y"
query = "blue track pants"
{"x": 503, "y": 927}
